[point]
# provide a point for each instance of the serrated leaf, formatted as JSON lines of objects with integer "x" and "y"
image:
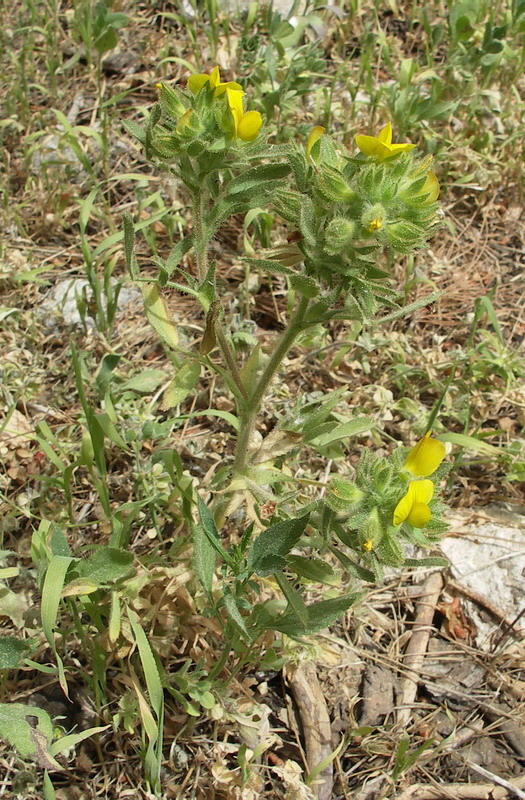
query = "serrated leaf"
{"x": 159, "y": 316}
{"x": 182, "y": 384}
{"x": 277, "y": 540}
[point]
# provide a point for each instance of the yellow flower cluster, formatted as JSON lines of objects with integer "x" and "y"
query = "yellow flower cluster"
{"x": 246, "y": 124}
{"x": 422, "y": 461}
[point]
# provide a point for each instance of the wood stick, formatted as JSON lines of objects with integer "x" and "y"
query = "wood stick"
{"x": 417, "y": 646}
{"x": 311, "y": 705}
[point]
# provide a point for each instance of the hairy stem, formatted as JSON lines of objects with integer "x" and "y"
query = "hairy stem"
{"x": 248, "y": 418}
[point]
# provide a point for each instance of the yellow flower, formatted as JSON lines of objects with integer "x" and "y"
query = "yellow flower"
{"x": 381, "y": 145}
{"x": 413, "y": 506}
{"x": 247, "y": 125}
{"x": 313, "y": 136}
{"x": 368, "y": 545}
{"x": 425, "y": 457}
{"x": 196, "y": 82}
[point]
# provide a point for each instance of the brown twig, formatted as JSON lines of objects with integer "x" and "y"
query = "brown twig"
{"x": 417, "y": 646}
{"x": 461, "y": 791}
{"x": 311, "y": 704}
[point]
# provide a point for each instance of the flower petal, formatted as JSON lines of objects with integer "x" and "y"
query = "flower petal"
{"x": 371, "y": 146}
{"x": 196, "y": 82}
{"x": 399, "y": 148}
{"x": 422, "y": 491}
{"x": 235, "y": 105}
{"x": 404, "y": 507}
{"x": 249, "y": 126}
{"x": 313, "y": 137}
{"x": 222, "y": 87}
{"x": 419, "y": 515}
{"x": 385, "y": 134}
{"x": 215, "y": 77}
{"x": 425, "y": 457}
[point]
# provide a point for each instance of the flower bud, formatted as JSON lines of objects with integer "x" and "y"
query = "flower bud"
{"x": 339, "y": 235}
{"x": 171, "y": 101}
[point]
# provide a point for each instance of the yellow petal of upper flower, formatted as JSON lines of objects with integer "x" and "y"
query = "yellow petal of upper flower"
{"x": 385, "y": 134}
{"x": 419, "y": 515}
{"x": 223, "y": 87}
{"x": 196, "y": 82}
{"x": 404, "y": 507}
{"x": 381, "y": 145}
{"x": 371, "y": 146}
{"x": 425, "y": 457}
{"x": 313, "y": 136}
{"x": 249, "y": 126}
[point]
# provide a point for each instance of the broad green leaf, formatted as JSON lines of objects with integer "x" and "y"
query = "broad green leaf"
{"x": 320, "y": 615}
{"x": 313, "y": 569}
{"x": 182, "y": 384}
{"x": 277, "y": 540}
{"x": 13, "y": 651}
{"x": 31, "y": 740}
{"x": 159, "y": 316}
{"x": 106, "y": 565}
{"x": 145, "y": 382}
{"x": 351, "y": 428}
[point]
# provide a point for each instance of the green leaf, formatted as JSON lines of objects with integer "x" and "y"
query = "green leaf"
{"x": 210, "y": 530}
{"x": 106, "y": 565}
{"x": 471, "y": 443}
{"x": 182, "y": 384}
{"x": 252, "y": 178}
{"x": 51, "y": 595}
{"x": 145, "y": 382}
{"x": 320, "y": 615}
{"x": 129, "y": 247}
{"x": 31, "y": 739}
{"x": 275, "y": 541}
{"x": 13, "y": 651}
{"x": 234, "y": 614}
{"x": 351, "y": 428}
{"x": 72, "y": 739}
{"x": 159, "y": 316}
{"x": 204, "y": 556}
{"x": 295, "y": 601}
{"x": 313, "y": 569}
{"x": 429, "y": 561}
